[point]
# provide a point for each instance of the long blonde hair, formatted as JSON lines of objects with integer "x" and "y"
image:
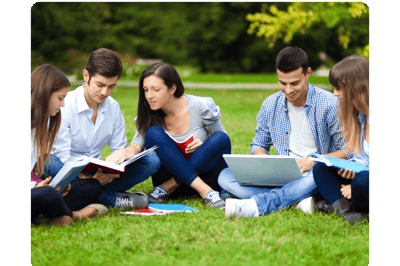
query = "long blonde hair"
{"x": 351, "y": 77}
{"x": 45, "y": 80}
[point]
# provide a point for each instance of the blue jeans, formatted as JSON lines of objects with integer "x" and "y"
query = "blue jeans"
{"x": 270, "y": 199}
{"x": 205, "y": 162}
{"x": 329, "y": 185}
{"x": 135, "y": 173}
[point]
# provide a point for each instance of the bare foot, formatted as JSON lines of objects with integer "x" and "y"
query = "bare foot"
{"x": 62, "y": 220}
{"x": 85, "y": 213}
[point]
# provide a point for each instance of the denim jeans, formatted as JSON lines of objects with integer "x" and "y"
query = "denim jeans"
{"x": 270, "y": 199}
{"x": 329, "y": 185}
{"x": 205, "y": 162}
{"x": 135, "y": 173}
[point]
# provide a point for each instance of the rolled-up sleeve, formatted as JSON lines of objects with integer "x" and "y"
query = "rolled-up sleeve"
{"x": 211, "y": 115}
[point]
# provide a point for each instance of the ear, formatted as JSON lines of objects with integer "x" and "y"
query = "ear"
{"x": 172, "y": 90}
{"x": 85, "y": 76}
{"x": 308, "y": 73}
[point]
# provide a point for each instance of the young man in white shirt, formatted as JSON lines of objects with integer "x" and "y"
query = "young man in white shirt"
{"x": 90, "y": 119}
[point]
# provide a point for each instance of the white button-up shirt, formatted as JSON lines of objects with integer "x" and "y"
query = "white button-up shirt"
{"x": 79, "y": 136}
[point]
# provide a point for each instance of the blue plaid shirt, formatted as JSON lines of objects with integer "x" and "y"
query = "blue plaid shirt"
{"x": 273, "y": 125}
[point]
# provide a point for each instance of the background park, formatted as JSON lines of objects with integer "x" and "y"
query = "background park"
{"x": 221, "y": 50}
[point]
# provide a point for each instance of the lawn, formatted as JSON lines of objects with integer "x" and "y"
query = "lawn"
{"x": 286, "y": 237}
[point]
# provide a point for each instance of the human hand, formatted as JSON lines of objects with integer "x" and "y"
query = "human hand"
{"x": 346, "y": 173}
{"x": 305, "y": 164}
{"x": 193, "y": 146}
{"x": 65, "y": 191}
{"x": 44, "y": 182}
{"x": 104, "y": 178}
{"x": 117, "y": 157}
{"x": 346, "y": 191}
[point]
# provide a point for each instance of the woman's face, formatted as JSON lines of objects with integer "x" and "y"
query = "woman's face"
{"x": 337, "y": 92}
{"x": 156, "y": 92}
{"x": 57, "y": 100}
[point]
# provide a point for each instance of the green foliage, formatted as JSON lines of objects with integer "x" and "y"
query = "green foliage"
{"x": 349, "y": 21}
{"x": 286, "y": 237}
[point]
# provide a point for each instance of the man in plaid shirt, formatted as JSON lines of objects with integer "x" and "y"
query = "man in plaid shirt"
{"x": 299, "y": 120}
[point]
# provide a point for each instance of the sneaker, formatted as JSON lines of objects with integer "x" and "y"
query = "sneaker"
{"x": 213, "y": 199}
{"x": 158, "y": 195}
{"x": 134, "y": 199}
{"x": 241, "y": 208}
{"x": 307, "y": 205}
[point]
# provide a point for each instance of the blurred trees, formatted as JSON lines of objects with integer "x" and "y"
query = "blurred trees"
{"x": 211, "y": 36}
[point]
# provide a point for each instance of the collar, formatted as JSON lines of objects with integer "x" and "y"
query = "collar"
{"x": 309, "y": 100}
{"x": 362, "y": 118}
{"x": 82, "y": 104}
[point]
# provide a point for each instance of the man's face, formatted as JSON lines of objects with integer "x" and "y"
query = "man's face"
{"x": 99, "y": 87}
{"x": 294, "y": 85}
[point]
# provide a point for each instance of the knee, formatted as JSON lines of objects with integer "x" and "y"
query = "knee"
{"x": 153, "y": 135}
{"x": 152, "y": 162}
{"x": 46, "y": 194}
{"x": 318, "y": 170}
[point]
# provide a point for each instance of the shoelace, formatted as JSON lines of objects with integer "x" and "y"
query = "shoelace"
{"x": 213, "y": 197}
{"x": 124, "y": 201}
{"x": 158, "y": 193}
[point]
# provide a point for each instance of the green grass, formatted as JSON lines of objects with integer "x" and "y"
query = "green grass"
{"x": 286, "y": 237}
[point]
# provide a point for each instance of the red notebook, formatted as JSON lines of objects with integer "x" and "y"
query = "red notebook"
{"x": 183, "y": 145}
{"x": 145, "y": 212}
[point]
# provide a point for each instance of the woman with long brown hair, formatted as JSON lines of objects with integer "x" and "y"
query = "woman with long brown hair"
{"x": 350, "y": 79}
{"x": 49, "y": 87}
{"x": 168, "y": 118}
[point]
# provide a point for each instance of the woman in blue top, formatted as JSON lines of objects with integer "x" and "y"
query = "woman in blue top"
{"x": 168, "y": 117}
{"x": 350, "y": 79}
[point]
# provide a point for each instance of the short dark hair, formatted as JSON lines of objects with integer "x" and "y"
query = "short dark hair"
{"x": 292, "y": 58}
{"x": 104, "y": 62}
{"x": 146, "y": 117}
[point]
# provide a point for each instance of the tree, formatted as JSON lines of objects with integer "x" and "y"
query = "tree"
{"x": 348, "y": 21}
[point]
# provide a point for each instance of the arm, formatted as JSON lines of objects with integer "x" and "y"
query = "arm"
{"x": 262, "y": 140}
{"x": 62, "y": 146}
{"x": 118, "y": 139}
{"x": 211, "y": 115}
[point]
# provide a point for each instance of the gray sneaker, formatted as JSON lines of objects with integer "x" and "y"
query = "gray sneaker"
{"x": 134, "y": 199}
{"x": 213, "y": 199}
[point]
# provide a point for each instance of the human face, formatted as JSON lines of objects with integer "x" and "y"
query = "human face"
{"x": 57, "y": 100}
{"x": 156, "y": 92}
{"x": 337, "y": 92}
{"x": 99, "y": 88}
{"x": 294, "y": 85}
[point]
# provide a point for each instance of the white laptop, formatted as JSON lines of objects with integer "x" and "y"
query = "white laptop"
{"x": 263, "y": 170}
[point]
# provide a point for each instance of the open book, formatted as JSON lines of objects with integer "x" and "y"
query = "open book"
{"x": 182, "y": 145}
{"x": 339, "y": 163}
{"x": 112, "y": 168}
{"x": 68, "y": 172}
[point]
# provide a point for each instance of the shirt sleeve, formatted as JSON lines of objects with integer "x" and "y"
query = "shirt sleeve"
{"x": 262, "y": 139}
{"x": 335, "y": 130}
{"x": 62, "y": 146}
{"x": 118, "y": 140}
{"x": 211, "y": 114}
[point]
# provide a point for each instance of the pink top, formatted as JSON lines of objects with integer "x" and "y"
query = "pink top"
{"x": 35, "y": 178}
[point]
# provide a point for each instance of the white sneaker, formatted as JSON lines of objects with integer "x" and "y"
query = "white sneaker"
{"x": 307, "y": 205}
{"x": 241, "y": 208}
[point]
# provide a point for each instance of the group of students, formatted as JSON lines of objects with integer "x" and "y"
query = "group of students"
{"x": 299, "y": 120}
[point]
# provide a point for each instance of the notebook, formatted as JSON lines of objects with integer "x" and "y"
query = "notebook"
{"x": 339, "y": 163}
{"x": 263, "y": 170}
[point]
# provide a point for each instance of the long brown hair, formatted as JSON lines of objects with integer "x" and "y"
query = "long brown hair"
{"x": 146, "y": 117}
{"x": 351, "y": 77}
{"x": 45, "y": 80}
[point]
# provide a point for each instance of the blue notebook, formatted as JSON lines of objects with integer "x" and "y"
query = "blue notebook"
{"x": 339, "y": 163}
{"x": 168, "y": 208}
